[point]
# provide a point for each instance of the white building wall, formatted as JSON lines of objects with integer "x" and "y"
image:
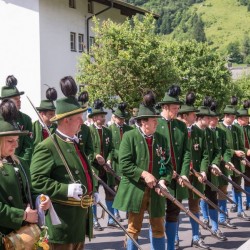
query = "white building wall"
{"x": 35, "y": 43}
{"x": 20, "y": 47}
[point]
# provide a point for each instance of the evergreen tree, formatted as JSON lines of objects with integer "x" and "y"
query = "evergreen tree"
{"x": 234, "y": 54}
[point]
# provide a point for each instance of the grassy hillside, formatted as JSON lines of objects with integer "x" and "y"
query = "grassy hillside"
{"x": 225, "y": 21}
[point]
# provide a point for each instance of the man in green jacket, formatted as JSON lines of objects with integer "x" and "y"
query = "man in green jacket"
{"x": 25, "y": 145}
{"x": 103, "y": 154}
{"x": 243, "y": 125}
{"x": 118, "y": 128}
{"x": 70, "y": 188}
{"x": 199, "y": 162}
{"x": 214, "y": 157}
{"x": 143, "y": 160}
{"x": 46, "y": 111}
{"x": 235, "y": 143}
{"x": 225, "y": 154}
{"x": 176, "y": 135}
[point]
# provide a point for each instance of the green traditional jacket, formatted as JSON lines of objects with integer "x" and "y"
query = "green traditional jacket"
{"x": 225, "y": 152}
{"x": 234, "y": 140}
{"x": 12, "y": 199}
{"x": 199, "y": 156}
{"x": 214, "y": 154}
{"x": 25, "y": 145}
{"x": 179, "y": 138}
{"x": 133, "y": 160}
{"x": 85, "y": 142}
{"x": 37, "y": 131}
{"x": 49, "y": 176}
{"x": 108, "y": 151}
{"x": 116, "y": 140}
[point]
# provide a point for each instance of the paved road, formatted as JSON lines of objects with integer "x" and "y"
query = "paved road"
{"x": 112, "y": 239}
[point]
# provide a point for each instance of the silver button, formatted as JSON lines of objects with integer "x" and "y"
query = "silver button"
{"x": 10, "y": 198}
{"x": 178, "y": 158}
{"x": 77, "y": 172}
{"x": 196, "y": 160}
{"x": 141, "y": 142}
{"x": 162, "y": 127}
{"x": 176, "y": 143}
{"x": 211, "y": 141}
{"x": 211, "y": 149}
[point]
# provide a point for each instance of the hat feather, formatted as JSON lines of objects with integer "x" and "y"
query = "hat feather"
{"x": 149, "y": 99}
{"x": 174, "y": 91}
{"x": 190, "y": 98}
{"x": 11, "y": 81}
{"x": 83, "y": 97}
{"x": 51, "y": 94}
{"x": 246, "y": 104}
{"x": 234, "y": 100}
{"x": 213, "y": 106}
{"x": 207, "y": 101}
{"x": 8, "y": 111}
{"x": 68, "y": 86}
{"x": 98, "y": 104}
{"x": 122, "y": 106}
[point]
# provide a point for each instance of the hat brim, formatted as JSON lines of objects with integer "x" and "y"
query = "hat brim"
{"x": 187, "y": 111}
{"x": 67, "y": 114}
{"x": 14, "y": 133}
{"x": 97, "y": 113}
{"x": 147, "y": 116}
{"x": 170, "y": 102}
{"x": 9, "y": 96}
{"x": 45, "y": 109}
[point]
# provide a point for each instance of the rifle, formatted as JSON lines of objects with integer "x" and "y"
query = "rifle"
{"x": 235, "y": 185}
{"x": 72, "y": 178}
{"x": 233, "y": 168}
{"x": 121, "y": 226}
{"x": 167, "y": 195}
{"x": 202, "y": 196}
{"x": 111, "y": 171}
{"x": 212, "y": 186}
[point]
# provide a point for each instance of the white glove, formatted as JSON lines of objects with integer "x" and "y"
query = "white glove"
{"x": 96, "y": 198}
{"x": 74, "y": 191}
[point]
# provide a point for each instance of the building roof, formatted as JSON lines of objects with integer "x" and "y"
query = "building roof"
{"x": 126, "y": 8}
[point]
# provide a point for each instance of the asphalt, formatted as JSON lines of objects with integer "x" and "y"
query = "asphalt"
{"x": 113, "y": 239}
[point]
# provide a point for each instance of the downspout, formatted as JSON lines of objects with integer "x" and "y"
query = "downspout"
{"x": 88, "y": 19}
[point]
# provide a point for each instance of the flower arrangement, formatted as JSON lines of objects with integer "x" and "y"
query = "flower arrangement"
{"x": 42, "y": 243}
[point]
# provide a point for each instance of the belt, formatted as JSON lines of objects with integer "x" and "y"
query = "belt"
{"x": 85, "y": 202}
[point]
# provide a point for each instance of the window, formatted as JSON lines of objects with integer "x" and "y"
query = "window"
{"x": 73, "y": 41}
{"x": 72, "y": 4}
{"x": 80, "y": 42}
{"x": 90, "y": 7}
{"x": 91, "y": 41}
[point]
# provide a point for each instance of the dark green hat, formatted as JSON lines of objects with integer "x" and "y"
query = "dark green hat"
{"x": 7, "y": 129}
{"x": 10, "y": 90}
{"x": 45, "y": 105}
{"x": 69, "y": 105}
{"x": 244, "y": 111}
{"x": 188, "y": 107}
{"x": 146, "y": 109}
{"x": 204, "y": 111}
{"x": 97, "y": 109}
{"x": 231, "y": 109}
{"x": 120, "y": 112}
{"x": 172, "y": 96}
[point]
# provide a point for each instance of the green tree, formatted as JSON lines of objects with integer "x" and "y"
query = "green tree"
{"x": 201, "y": 70}
{"x": 234, "y": 54}
{"x": 243, "y": 84}
{"x": 126, "y": 59}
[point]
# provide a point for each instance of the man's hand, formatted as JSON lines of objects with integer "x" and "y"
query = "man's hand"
{"x": 229, "y": 165}
{"x": 215, "y": 170}
{"x": 239, "y": 153}
{"x": 163, "y": 184}
{"x": 180, "y": 180}
{"x": 174, "y": 175}
{"x": 149, "y": 179}
{"x": 100, "y": 160}
{"x": 202, "y": 178}
{"x": 75, "y": 191}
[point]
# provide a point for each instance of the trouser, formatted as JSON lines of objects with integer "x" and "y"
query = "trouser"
{"x": 135, "y": 220}
{"x": 222, "y": 202}
{"x": 237, "y": 193}
{"x": 247, "y": 184}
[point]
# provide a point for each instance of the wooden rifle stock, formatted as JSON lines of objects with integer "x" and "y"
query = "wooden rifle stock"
{"x": 201, "y": 195}
{"x": 233, "y": 168}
